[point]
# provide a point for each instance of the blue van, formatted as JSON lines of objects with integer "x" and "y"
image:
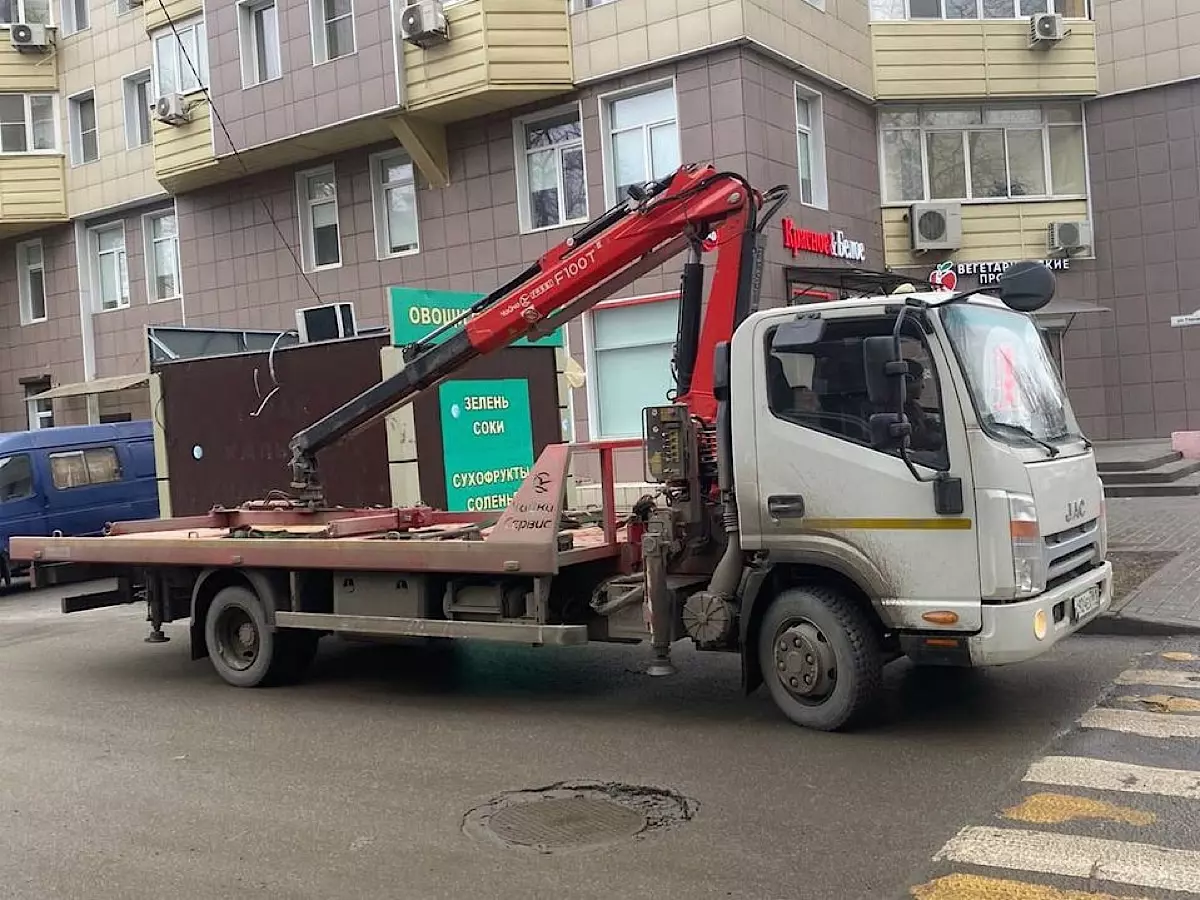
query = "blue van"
{"x": 74, "y": 480}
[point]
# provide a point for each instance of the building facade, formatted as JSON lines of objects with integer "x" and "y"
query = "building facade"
{"x": 302, "y": 153}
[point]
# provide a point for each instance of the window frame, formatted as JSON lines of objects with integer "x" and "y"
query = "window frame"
{"x": 604, "y": 104}
{"x": 379, "y": 208}
{"x": 1045, "y": 126}
{"x": 305, "y": 206}
{"x": 28, "y": 457}
{"x": 70, "y": 24}
{"x": 129, "y": 85}
{"x": 37, "y": 411}
{"x": 75, "y": 127}
{"x": 25, "y": 287}
{"x": 27, "y": 108}
{"x": 94, "y": 253}
{"x": 249, "y": 59}
{"x": 592, "y": 385}
{"x": 1088, "y": 6}
{"x": 23, "y": 16}
{"x": 521, "y": 158}
{"x": 319, "y": 34}
{"x": 816, "y": 139}
{"x": 198, "y": 26}
{"x": 150, "y": 241}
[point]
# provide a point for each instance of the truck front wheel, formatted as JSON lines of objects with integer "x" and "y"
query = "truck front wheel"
{"x": 243, "y": 648}
{"x": 820, "y": 657}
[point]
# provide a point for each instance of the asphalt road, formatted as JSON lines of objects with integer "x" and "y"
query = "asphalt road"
{"x": 128, "y": 771}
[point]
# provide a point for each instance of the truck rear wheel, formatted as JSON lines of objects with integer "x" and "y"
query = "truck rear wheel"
{"x": 243, "y": 648}
{"x": 820, "y": 657}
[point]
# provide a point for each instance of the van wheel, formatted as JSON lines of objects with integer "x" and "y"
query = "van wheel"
{"x": 820, "y": 657}
{"x": 245, "y": 651}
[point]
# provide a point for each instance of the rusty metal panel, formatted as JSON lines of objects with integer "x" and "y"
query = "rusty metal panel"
{"x": 210, "y": 403}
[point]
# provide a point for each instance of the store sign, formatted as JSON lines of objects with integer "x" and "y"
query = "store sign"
{"x": 826, "y": 243}
{"x": 416, "y": 313}
{"x": 487, "y": 442}
{"x": 945, "y": 277}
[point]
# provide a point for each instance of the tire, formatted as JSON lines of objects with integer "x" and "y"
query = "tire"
{"x": 830, "y": 642}
{"x": 245, "y": 651}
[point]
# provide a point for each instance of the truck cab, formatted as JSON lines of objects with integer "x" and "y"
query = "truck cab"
{"x": 979, "y": 537}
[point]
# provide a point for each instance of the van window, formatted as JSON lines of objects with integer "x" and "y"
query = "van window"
{"x": 79, "y": 468}
{"x": 16, "y": 477}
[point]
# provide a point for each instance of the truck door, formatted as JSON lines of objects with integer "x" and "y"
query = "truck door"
{"x": 825, "y": 493}
{"x": 21, "y": 505}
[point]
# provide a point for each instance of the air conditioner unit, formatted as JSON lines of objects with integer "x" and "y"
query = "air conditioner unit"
{"x": 326, "y": 323}
{"x": 936, "y": 226}
{"x": 29, "y": 36}
{"x": 172, "y": 109}
{"x": 423, "y": 23}
{"x": 1046, "y": 30}
{"x": 1070, "y": 237}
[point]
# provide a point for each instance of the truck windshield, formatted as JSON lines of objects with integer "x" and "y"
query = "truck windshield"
{"x": 1012, "y": 379}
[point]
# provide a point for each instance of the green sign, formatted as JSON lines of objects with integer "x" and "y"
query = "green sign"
{"x": 417, "y": 312}
{"x": 487, "y": 442}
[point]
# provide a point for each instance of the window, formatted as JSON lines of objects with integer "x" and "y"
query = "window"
{"x": 642, "y": 138}
{"x": 550, "y": 176}
{"x": 80, "y": 468}
{"x": 40, "y": 413}
{"x": 126, "y": 6}
{"x": 136, "y": 90}
{"x": 976, "y": 9}
{"x": 27, "y": 123}
{"x": 989, "y": 153}
{"x": 110, "y": 277}
{"x": 258, "y": 24}
{"x": 31, "y": 274}
{"x": 810, "y": 147}
{"x": 32, "y": 11}
{"x": 629, "y": 349}
{"x": 332, "y": 29}
{"x": 76, "y": 15}
{"x": 394, "y": 197}
{"x": 581, "y": 5}
{"x": 823, "y": 387}
{"x": 162, "y": 256}
{"x": 320, "y": 240}
{"x": 16, "y": 477}
{"x": 180, "y": 65}
{"x": 85, "y": 139}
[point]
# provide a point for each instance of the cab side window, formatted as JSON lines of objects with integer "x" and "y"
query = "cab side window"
{"x": 16, "y": 477}
{"x": 824, "y": 388}
{"x": 79, "y": 468}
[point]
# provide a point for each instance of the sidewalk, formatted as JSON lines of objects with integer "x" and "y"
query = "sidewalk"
{"x": 1160, "y": 538}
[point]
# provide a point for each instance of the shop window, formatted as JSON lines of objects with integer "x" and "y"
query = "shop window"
{"x": 81, "y": 468}
{"x": 824, "y": 389}
{"x": 982, "y": 153}
{"x": 641, "y": 137}
{"x": 629, "y": 344}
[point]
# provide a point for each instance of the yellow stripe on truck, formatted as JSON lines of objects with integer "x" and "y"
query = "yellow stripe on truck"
{"x": 932, "y": 524}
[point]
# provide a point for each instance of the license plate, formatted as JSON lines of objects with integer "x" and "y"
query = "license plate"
{"x": 1086, "y": 603}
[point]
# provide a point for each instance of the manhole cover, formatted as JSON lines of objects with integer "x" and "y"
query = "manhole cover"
{"x": 576, "y": 815}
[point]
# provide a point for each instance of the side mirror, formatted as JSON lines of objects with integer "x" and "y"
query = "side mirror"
{"x": 889, "y": 430}
{"x": 721, "y": 371}
{"x": 884, "y": 371}
{"x": 1027, "y": 286}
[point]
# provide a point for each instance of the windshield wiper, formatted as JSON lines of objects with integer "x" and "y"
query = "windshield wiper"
{"x": 1025, "y": 432}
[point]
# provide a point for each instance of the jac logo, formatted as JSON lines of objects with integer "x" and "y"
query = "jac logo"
{"x": 1076, "y": 510}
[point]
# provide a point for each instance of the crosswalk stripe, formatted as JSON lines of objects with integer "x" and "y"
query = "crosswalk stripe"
{"x": 1073, "y": 856}
{"x": 978, "y": 887}
{"x": 1161, "y": 678}
{"x": 1146, "y": 724}
{"x": 1104, "y": 775}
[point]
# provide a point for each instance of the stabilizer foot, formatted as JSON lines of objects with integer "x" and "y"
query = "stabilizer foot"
{"x": 156, "y": 636}
{"x": 662, "y": 666}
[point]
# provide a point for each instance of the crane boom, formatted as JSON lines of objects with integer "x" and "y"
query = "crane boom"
{"x": 694, "y": 205}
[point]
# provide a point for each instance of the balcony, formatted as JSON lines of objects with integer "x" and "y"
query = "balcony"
{"x": 33, "y": 193}
{"x": 26, "y": 72}
{"x": 991, "y": 231}
{"x": 162, "y": 15}
{"x": 501, "y": 54}
{"x": 923, "y": 59}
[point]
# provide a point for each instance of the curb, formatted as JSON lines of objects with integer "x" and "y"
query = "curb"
{"x": 1137, "y": 626}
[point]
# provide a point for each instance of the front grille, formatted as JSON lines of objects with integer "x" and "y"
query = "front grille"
{"x": 1067, "y": 552}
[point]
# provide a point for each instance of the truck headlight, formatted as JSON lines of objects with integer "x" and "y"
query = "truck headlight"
{"x": 1029, "y": 561}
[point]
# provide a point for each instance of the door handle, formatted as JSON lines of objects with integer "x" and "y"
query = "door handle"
{"x": 785, "y": 506}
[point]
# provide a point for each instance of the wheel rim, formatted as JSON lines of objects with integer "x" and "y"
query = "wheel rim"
{"x": 237, "y": 638}
{"x": 805, "y": 663}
